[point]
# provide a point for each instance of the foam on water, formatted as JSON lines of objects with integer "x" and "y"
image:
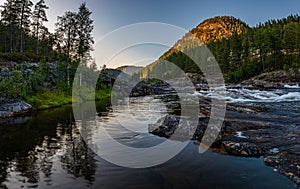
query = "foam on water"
{"x": 244, "y": 95}
{"x": 296, "y": 86}
{"x": 239, "y": 134}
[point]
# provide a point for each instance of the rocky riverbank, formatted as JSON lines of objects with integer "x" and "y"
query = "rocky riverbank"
{"x": 274, "y": 79}
{"x": 257, "y": 134}
{"x": 143, "y": 89}
{"x": 247, "y": 131}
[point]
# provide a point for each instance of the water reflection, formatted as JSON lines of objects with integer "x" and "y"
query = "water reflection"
{"x": 28, "y": 151}
{"x": 48, "y": 152}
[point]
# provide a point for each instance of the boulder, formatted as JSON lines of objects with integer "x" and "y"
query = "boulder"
{"x": 10, "y": 108}
{"x": 177, "y": 127}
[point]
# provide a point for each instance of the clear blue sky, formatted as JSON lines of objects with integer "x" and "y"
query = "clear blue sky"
{"x": 112, "y": 14}
{"x": 109, "y": 15}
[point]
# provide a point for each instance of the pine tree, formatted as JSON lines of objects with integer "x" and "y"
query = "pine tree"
{"x": 9, "y": 16}
{"x": 66, "y": 31}
{"x": 290, "y": 38}
{"x": 39, "y": 16}
{"x": 236, "y": 50}
{"x": 47, "y": 40}
{"x": 24, "y": 20}
{"x": 84, "y": 31}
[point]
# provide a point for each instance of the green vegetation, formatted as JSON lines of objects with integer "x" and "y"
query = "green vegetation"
{"x": 24, "y": 57}
{"x": 48, "y": 99}
{"x": 241, "y": 51}
{"x": 40, "y": 66}
{"x": 274, "y": 45}
{"x": 31, "y": 87}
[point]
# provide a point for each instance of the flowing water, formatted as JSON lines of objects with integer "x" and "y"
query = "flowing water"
{"x": 48, "y": 151}
{"x": 285, "y": 101}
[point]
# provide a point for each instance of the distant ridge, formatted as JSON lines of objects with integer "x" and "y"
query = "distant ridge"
{"x": 129, "y": 69}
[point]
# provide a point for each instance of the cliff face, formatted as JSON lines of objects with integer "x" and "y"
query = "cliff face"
{"x": 218, "y": 28}
{"x": 130, "y": 69}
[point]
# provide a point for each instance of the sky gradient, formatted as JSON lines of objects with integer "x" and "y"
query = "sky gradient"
{"x": 112, "y": 14}
{"x": 109, "y": 15}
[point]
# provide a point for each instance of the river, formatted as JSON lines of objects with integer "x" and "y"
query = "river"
{"x": 47, "y": 151}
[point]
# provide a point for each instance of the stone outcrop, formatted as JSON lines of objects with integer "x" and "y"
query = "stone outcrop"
{"x": 7, "y": 68}
{"x": 274, "y": 79}
{"x": 11, "y": 108}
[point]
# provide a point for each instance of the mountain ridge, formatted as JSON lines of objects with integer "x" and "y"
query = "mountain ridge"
{"x": 241, "y": 51}
{"x": 210, "y": 30}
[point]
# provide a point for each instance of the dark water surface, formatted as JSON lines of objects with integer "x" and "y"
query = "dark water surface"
{"x": 48, "y": 152}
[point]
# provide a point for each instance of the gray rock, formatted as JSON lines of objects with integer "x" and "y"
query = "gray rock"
{"x": 263, "y": 84}
{"x": 10, "y": 108}
{"x": 242, "y": 149}
{"x": 274, "y": 79}
{"x": 174, "y": 126}
{"x": 5, "y": 72}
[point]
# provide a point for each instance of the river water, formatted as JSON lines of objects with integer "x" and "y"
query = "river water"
{"x": 48, "y": 151}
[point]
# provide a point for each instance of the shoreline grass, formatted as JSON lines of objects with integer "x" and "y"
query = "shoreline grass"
{"x": 53, "y": 99}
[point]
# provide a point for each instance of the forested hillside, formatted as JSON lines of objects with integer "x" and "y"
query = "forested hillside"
{"x": 274, "y": 45}
{"x": 210, "y": 30}
{"x": 241, "y": 51}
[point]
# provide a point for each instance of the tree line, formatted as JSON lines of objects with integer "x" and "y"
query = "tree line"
{"x": 22, "y": 31}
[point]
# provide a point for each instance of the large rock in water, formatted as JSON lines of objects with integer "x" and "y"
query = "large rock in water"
{"x": 10, "y": 108}
{"x": 179, "y": 128}
{"x": 174, "y": 127}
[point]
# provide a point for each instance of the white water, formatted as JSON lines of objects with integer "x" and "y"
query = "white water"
{"x": 239, "y": 134}
{"x": 243, "y": 95}
{"x": 296, "y": 86}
